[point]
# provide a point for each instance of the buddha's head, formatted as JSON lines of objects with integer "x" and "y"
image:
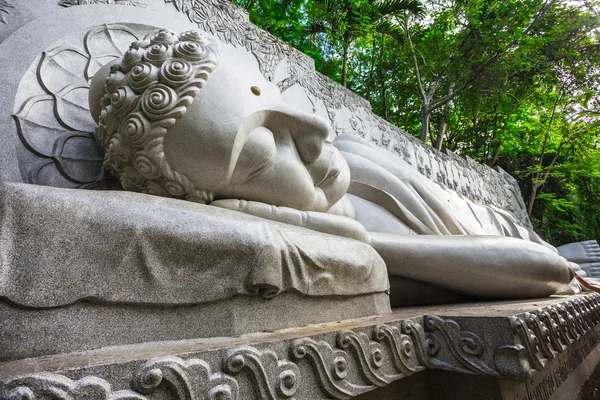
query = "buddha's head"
{"x": 235, "y": 139}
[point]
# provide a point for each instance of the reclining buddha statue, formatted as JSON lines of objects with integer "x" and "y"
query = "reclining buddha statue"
{"x": 240, "y": 212}
{"x": 179, "y": 118}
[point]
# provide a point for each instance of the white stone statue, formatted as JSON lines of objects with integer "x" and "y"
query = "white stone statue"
{"x": 181, "y": 118}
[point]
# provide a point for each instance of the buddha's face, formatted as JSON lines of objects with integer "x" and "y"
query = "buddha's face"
{"x": 239, "y": 140}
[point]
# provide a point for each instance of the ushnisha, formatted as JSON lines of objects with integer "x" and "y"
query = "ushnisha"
{"x": 144, "y": 95}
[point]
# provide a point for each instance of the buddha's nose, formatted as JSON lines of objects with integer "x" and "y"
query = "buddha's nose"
{"x": 309, "y": 131}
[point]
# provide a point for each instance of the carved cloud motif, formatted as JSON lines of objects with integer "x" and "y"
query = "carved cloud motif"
{"x": 57, "y": 127}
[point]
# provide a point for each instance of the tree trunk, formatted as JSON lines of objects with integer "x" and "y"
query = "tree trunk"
{"x": 372, "y": 71}
{"x": 532, "y": 197}
{"x": 382, "y": 78}
{"x": 425, "y": 116}
{"x": 495, "y": 159}
{"x": 441, "y": 133}
{"x": 345, "y": 65}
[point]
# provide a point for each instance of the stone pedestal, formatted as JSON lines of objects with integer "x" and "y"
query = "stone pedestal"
{"x": 538, "y": 349}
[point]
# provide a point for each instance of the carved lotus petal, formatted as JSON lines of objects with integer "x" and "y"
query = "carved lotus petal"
{"x": 72, "y": 108}
{"x": 59, "y": 130}
{"x": 106, "y": 43}
{"x": 37, "y": 126}
{"x": 61, "y": 67}
{"x": 80, "y": 157}
{"x": 44, "y": 172}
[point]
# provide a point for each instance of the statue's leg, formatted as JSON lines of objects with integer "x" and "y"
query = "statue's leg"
{"x": 481, "y": 266}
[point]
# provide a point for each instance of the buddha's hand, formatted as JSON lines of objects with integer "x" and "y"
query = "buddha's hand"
{"x": 317, "y": 221}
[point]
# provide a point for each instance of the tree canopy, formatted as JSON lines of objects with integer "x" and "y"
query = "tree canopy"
{"x": 513, "y": 83}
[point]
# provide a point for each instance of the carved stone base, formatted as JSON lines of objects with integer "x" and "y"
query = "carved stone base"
{"x": 86, "y": 326}
{"x": 544, "y": 349}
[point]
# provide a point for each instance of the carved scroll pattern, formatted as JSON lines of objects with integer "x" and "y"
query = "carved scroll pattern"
{"x": 4, "y": 10}
{"x": 54, "y": 386}
{"x": 57, "y": 126}
{"x": 544, "y": 334}
{"x": 273, "y": 378}
{"x": 345, "y": 364}
{"x": 539, "y": 337}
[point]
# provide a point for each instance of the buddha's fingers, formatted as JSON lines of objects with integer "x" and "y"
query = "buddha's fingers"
{"x": 317, "y": 221}
{"x": 484, "y": 266}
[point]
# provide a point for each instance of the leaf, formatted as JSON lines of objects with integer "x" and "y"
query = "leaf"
{"x": 183, "y": 6}
{"x": 389, "y": 27}
{"x": 4, "y": 6}
{"x": 68, "y": 3}
{"x": 387, "y": 7}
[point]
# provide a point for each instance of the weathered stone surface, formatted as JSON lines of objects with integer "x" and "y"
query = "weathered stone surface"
{"x": 537, "y": 348}
{"x": 60, "y": 247}
{"x": 28, "y": 332}
{"x": 82, "y": 270}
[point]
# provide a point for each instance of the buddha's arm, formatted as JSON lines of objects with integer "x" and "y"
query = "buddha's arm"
{"x": 483, "y": 266}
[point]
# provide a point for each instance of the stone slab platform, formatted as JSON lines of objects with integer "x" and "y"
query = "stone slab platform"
{"x": 537, "y": 349}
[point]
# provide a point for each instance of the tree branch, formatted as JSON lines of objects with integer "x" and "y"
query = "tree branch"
{"x": 450, "y": 96}
{"x": 539, "y": 17}
{"x": 414, "y": 59}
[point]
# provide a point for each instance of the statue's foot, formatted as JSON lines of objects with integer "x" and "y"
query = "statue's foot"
{"x": 581, "y": 252}
{"x": 591, "y": 269}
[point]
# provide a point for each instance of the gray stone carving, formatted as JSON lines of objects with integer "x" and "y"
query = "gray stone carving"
{"x": 54, "y": 386}
{"x": 4, "y": 10}
{"x": 466, "y": 347}
{"x": 230, "y": 23}
{"x": 229, "y": 145}
{"x": 294, "y": 73}
{"x": 343, "y": 363}
{"x": 586, "y": 254}
{"x": 273, "y": 378}
{"x": 57, "y": 126}
{"x": 189, "y": 379}
{"x": 144, "y": 96}
{"x": 134, "y": 3}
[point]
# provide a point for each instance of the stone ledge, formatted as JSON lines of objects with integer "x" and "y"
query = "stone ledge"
{"x": 507, "y": 341}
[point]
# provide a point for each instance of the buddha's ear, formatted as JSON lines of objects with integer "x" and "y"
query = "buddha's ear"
{"x": 97, "y": 86}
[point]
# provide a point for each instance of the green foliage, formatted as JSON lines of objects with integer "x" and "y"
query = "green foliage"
{"x": 516, "y": 82}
